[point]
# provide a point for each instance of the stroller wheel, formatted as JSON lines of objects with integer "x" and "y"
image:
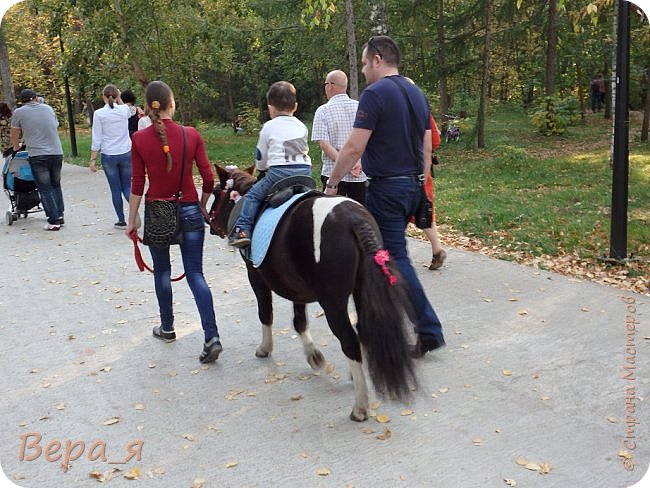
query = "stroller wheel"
{"x": 9, "y": 217}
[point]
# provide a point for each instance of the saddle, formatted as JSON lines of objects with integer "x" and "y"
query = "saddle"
{"x": 278, "y": 194}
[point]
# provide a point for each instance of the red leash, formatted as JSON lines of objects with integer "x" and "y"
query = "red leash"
{"x": 140, "y": 261}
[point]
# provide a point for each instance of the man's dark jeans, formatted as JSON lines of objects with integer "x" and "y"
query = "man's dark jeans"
{"x": 392, "y": 202}
{"x": 47, "y": 175}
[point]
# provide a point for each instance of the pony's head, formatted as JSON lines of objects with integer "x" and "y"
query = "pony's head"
{"x": 233, "y": 184}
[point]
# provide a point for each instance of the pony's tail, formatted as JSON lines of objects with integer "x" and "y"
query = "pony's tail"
{"x": 381, "y": 304}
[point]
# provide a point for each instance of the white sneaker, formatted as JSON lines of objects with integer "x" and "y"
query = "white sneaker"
{"x": 49, "y": 226}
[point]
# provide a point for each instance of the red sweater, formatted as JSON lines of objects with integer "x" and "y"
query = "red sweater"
{"x": 148, "y": 161}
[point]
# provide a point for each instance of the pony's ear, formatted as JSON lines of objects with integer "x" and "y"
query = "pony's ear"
{"x": 222, "y": 174}
{"x": 250, "y": 170}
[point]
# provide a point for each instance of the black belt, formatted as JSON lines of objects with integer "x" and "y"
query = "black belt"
{"x": 401, "y": 177}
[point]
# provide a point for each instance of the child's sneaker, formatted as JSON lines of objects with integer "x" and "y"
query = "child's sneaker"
{"x": 239, "y": 238}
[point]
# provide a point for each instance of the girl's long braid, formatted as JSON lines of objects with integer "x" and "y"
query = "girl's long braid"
{"x": 159, "y": 96}
{"x": 162, "y": 134}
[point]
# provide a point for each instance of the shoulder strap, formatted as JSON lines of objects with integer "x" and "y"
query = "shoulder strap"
{"x": 179, "y": 193}
{"x": 413, "y": 130}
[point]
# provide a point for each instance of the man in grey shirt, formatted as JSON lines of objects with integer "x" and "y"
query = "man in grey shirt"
{"x": 37, "y": 124}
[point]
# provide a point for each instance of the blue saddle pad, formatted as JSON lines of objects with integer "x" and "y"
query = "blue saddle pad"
{"x": 265, "y": 228}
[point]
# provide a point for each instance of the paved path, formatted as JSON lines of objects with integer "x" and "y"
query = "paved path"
{"x": 534, "y": 369}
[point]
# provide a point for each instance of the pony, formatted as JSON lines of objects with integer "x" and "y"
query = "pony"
{"x": 326, "y": 249}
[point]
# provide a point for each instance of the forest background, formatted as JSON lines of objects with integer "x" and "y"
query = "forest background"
{"x": 499, "y": 65}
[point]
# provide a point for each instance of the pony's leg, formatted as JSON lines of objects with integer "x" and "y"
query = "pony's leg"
{"x": 339, "y": 322}
{"x": 314, "y": 357}
{"x": 360, "y": 410}
{"x": 264, "y": 312}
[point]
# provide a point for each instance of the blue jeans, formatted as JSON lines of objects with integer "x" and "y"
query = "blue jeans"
{"x": 117, "y": 168}
{"x": 258, "y": 191}
{"x": 47, "y": 175}
{"x": 392, "y": 202}
{"x": 193, "y": 226}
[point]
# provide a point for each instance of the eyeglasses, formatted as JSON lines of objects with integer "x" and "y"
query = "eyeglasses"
{"x": 372, "y": 45}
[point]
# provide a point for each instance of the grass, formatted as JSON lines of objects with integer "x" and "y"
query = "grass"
{"x": 526, "y": 193}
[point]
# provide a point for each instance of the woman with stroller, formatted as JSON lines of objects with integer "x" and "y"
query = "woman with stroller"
{"x": 159, "y": 153}
{"x": 110, "y": 135}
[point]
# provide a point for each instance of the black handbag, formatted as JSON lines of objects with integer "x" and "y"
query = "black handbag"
{"x": 423, "y": 216}
{"x": 162, "y": 220}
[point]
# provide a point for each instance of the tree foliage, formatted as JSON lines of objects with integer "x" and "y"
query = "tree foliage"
{"x": 220, "y": 56}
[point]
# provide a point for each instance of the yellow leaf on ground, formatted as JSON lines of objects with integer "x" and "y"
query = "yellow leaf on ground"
{"x": 510, "y": 482}
{"x": 139, "y": 406}
{"x": 477, "y": 441}
{"x": 384, "y": 435}
{"x": 198, "y": 483}
{"x": 134, "y": 474}
{"x": 59, "y": 406}
{"x": 507, "y": 372}
{"x": 382, "y": 419}
{"x": 522, "y": 461}
{"x": 232, "y": 464}
{"x": 533, "y": 466}
{"x": 323, "y": 472}
{"x": 404, "y": 413}
{"x": 295, "y": 398}
{"x": 111, "y": 421}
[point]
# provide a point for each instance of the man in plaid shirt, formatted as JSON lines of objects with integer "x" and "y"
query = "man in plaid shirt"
{"x": 332, "y": 126}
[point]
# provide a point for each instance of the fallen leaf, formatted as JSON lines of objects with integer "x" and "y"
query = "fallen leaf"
{"x": 477, "y": 441}
{"x": 198, "y": 483}
{"x": 172, "y": 373}
{"x": 323, "y": 472}
{"x": 624, "y": 454}
{"x": 613, "y": 420}
{"x": 382, "y": 419}
{"x": 304, "y": 455}
{"x": 545, "y": 468}
{"x": 18, "y": 476}
{"x": 111, "y": 421}
{"x": 134, "y": 474}
{"x": 523, "y": 311}
{"x": 59, "y": 406}
{"x": 375, "y": 404}
{"x": 189, "y": 437}
{"x": 295, "y": 398}
{"x": 329, "y": 368}
{"x": 151, "y": 365}
{"x": 532, "y": 466}
{"x": 507, "y": 372}
{"x": 232, "y": 464}
{"x": 106, "y": 369}
{"x": 513, "y": 299}
{"x": 510, "y": 482}
{"x": 405, "y": 413}
{"x": 139, "y": 406}
{"x": 522, "y": 461}
{"x": 385, "y": 435}
{"x": 443, "y": 390}
{"x": 367, "y": 430}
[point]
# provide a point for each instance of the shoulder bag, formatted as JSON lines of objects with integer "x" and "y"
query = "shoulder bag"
{"x": 162, "y": 223}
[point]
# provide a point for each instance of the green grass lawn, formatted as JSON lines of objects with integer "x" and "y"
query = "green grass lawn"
{"x": 526, "y": 192}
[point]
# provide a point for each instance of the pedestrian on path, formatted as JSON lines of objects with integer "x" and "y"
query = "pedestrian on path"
{"x": 110, "y": 135}
{"x": 383, "y": 138}
{"x": 157, "y": 154}
{"x": 37, "y": 124}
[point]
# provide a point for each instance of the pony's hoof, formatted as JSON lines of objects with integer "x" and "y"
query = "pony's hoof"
{"x": 359, "y": 416}
{"x": 261, "y": 353}
{"x": 316, "y": 359}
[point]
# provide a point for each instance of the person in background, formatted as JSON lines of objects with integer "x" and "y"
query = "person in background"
{"x": 393, "y": 159}
{"x": 282, "y": 151}
{"x": 5, "y": 129}
{"x": 157, "y": 156}
{"x": 438, "y": 253}
{"x": 331, "y": 128}
{"x": 37, "y": 124}
{"x": 110, "y": 135}
{"x": 135, "y": 112}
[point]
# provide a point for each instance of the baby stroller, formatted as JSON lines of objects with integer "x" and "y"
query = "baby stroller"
{"x": 20, "y": 187}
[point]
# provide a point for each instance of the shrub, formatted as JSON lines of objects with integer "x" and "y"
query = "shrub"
{"x": 548, "y": 119}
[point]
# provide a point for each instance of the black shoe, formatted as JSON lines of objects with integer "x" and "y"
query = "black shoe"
{"x": 60, "y": 221}
{"x": 120, "y": 225}
{"x": 425, "y": 344}
{"x": 211, "y": 351}
{"x": 164, "y": 335}
{"x": 239, "y": 238}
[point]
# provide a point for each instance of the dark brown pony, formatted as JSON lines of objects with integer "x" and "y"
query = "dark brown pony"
{"x": 326, "y": 249}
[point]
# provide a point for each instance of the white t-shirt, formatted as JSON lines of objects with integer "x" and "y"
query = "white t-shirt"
{"x": 282, "y": 141}
{"x": 111, "y": 130}
{"x": 144, "y": 122}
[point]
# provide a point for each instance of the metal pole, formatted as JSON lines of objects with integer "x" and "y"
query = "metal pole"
{"x": 620, "y": 169}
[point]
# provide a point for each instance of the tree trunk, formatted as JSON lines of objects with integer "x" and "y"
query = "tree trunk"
{"x": 139, "y": 73}
{"x": 353, "y": 78}
{"x": 378, "y": 22}
{"x": 608, "y": 95}
{"x": 646, "y": 110}
{"x": 551, "y": 37}
{"x": 581, "y": 94}
{"x": 485, "y": 77}
{"x": 5, "y": 72}
{"x": 442, "y": 59}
